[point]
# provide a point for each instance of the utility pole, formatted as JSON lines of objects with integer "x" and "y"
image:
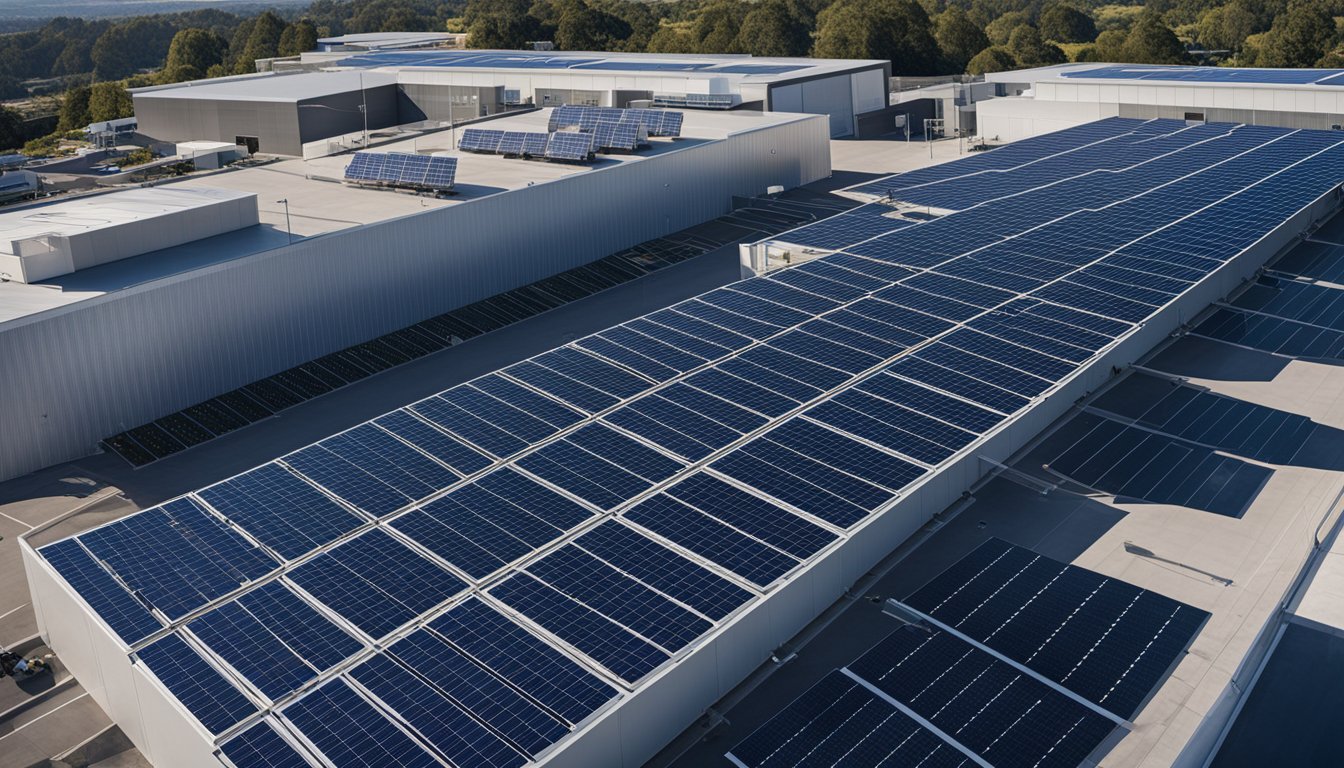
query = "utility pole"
{"x": 364, "y": 109}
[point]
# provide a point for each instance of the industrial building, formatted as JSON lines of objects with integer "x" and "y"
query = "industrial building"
{"x": 1037, "y": 101}
{"x": 279, "y": 113}
{"x": 569, "y": 560}
{"x": 299, "y": 263}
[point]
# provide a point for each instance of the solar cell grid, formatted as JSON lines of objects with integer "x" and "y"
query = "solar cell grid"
{"x": 125, "y": 614}
{"x": 260, "y": 746}
{"x": 713, "y": 540}
{"x": 1107, "y": 640}
{"x": 348, "y": 730}
{"x": 206, "y": 693}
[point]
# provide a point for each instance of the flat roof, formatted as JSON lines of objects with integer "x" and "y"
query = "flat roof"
{"x": 271, "y": 87}
{"x": 699, "y": 66}
{"x": 1164, "y": 74}
{"x": 319, "y": 203}
{"x": 86, "y": 214}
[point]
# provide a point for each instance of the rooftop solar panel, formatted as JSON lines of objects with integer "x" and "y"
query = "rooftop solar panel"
{"x": 1109, "y": 641}
{"x": 723, "y": 444}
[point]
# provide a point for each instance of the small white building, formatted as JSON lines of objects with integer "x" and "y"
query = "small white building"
{"x": 1036, "y": 101}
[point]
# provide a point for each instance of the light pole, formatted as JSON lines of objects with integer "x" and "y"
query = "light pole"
{"x": 364, "y": 109}
{"x": 288, "y": 229}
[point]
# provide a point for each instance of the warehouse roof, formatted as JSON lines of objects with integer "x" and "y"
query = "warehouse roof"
{"x": 271, "y": 87}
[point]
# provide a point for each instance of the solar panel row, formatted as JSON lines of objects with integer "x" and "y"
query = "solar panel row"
{"x": 737, "y": 389}
{"x": 1010, "y": 686}
{"x": 402, "y": 168}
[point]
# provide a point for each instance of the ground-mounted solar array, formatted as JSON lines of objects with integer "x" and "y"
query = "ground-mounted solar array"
{"x": 615, "y": 501}
{"x": 1019, "y": 660}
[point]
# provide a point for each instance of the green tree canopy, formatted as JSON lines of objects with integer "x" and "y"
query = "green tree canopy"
{"x": 499, "y": 24}
{"x": 11, "y": 129}
{"x": 199, "y": 49}
{"x": 109, "y": 101}
{"x": 1152, "y": 42}
{"x": 898, "y": 30}
{"x": 263, "y": 42}
{"x": 992, "y": 59}
{"x": 1110, "y": 45}
{"x": 1299, "y": 38}
{"x": 1226, "y": 27}
{"x": 671, "y": 38}
{"x": 297, "y": 38}
{"x": 1066, "y": 24}
{"x": 74, "y": 109}
{"x": 717, "y": 25}
{"x": 1000, "y": 27}
{"x": 1031, "y": 50}
{"x": 959, "y": 38}
{"x": 124, "y": 49}
{"x": 585, "y": 28}
{"x": 775, "y": 28}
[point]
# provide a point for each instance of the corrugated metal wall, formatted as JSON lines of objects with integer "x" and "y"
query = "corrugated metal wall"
{"x": 73, "y": 376}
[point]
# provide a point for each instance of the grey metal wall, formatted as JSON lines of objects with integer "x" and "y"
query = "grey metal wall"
{"x": 421, "y": 101}
{"x": 1278, "y": 118}
{"x": 73, "y": 376}
{"x": 281, "y": 127}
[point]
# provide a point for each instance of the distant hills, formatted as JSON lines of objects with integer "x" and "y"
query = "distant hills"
{"x": 21, "y": 14}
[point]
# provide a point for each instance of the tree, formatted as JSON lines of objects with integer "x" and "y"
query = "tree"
{"x": 1151, "y": 42}
{"x": 263, "y": 42}
{"x": 671, "y": 38}
{"x": 898, "y": 30}
{"x": 717, "y": 25}
{"x": 75, "y": 109}
{"x": 499, "y": 24}
{"x": 1227, "y": 27}
{"x": 297, "y": 38}
{"x": 1002, "y": 26}
{"x": 1030, "y": 50}
{"x": 11, "y": 129}
{"x": 198, "y": 49}
{"x": 1299, "y": 38}
{"x": 585, "y": 28}
{"x": 958, "y": 38}
{"x": 127, "y": 48}
{"x": 774, "y": 28}
{"x": 1110, "y": 46}
{"x": 992, "y": 59}
{"x": 1066, "y": 24}
{"x": 109, "y": 101}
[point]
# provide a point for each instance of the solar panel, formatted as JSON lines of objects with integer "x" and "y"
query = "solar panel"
{"x": 348, "y": 730}
{"x": 201, "y": 688}
{"x": 534, "y": 144}
{"x": 1109, "y": 641}
{"x": 376, "y": 582}
{"x": 570, "y": 146}
{"x": 403, "y": 168}
{"x": 511, "y": 143}
{"x": 722, "y": 443}
{"x": 260, "y": 746}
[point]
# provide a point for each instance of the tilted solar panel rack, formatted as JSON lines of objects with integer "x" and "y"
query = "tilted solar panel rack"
{"x": 656, "y": 122}
{"x": 572, "y": 146}
{"x": 480, "y": 140}
{"x": 402, "y": 169}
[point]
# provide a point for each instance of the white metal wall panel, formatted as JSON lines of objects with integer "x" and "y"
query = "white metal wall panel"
{"x": 78, "y": 374}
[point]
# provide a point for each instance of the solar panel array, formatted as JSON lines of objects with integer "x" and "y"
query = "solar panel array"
{"x": 402, "y": 169}
{"x": 618, "y": 498}
{"x": 556, "y": 60}
{"x": 560, "y": 145}
{"x": 1149, "y": 73}
{"x": 655, "y": 122}
{"x": 1026, "y": 661}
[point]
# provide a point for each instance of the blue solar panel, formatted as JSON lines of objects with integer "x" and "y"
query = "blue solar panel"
{"x": 570, "y": 146}
{"x": 261, "y": 747}
{"x": 1211, "y": 75}
{"x": 274, "y": 638}
{"x": 840, "y": 722}
{"x": 611, "y": 645}
{"x": 620, "y": 598}
{"x": 752, "y": 515}
{"x": 433, "y": 442}
{"x": 280, "y": 510}
{"x": 348, "y": 730}
{"x": 475, "y": 690}
{"x": 371, "y": 469}
{"x": 178, "y": 557}
{"x": 1109, "y": 641}
{"x": 126, "y": 615}
{"x": 524, "y": 661}
{"x": 212, "y": 699}
{"x": 376, "y": 582}
{"x": 687, "y": 527}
